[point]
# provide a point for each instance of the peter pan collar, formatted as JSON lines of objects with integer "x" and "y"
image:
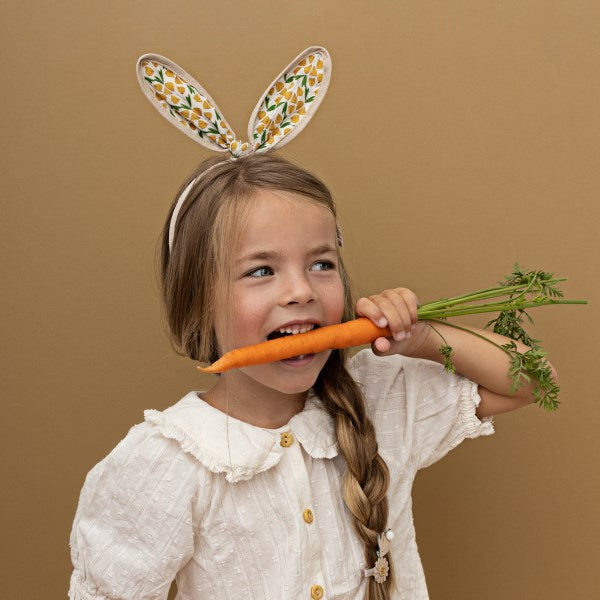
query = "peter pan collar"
{"x": 203, "y": 431}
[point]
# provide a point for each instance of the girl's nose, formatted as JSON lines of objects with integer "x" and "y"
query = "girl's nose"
{"x": 298, "y": 290}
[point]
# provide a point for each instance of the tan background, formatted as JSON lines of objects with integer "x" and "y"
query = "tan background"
{"x": 458, "y": 138}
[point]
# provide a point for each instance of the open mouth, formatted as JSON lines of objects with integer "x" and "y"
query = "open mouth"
{"x": 292, "y": 330}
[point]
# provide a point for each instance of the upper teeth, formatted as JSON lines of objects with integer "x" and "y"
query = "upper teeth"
{"x": 297, "y": 328}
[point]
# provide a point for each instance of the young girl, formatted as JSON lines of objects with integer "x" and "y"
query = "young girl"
{"x": 289, "y": 479}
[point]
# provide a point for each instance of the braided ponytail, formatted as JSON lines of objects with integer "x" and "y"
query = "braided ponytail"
{"x": 367, "y": 479}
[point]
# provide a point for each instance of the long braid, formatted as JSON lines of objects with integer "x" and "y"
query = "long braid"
{"x": 367, "y": 478}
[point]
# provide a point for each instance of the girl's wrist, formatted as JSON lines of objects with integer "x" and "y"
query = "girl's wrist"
{"x": 422, "y": 345}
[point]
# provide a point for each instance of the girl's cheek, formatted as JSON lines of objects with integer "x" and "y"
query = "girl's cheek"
{"x": 251, "y": 314}
{"x": 338, "y": 294}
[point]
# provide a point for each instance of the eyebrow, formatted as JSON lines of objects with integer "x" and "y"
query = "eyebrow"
{"x": 270, "y": 255}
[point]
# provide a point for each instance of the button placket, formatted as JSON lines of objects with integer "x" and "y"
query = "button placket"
{"x": 293, "y": 462}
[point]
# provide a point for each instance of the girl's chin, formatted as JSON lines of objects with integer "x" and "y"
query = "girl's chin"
{"x": 286, "y": 377}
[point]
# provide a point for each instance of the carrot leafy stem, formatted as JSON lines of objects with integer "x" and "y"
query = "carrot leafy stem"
{"x": 447, "y": 353}
{"x": 532, "y": 364}
{"x": 521, "y": 289}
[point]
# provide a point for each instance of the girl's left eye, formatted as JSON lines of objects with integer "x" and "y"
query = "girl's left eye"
{"x": 262, "y": 270}
{"x": 326, "y": 265}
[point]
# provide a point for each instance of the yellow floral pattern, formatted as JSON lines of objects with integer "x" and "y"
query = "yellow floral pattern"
{"x": 285, "y": 103}
{"x": 282, "y": 108}
{"x": 187, "y": 105}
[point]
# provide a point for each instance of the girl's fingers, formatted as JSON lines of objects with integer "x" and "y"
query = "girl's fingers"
{"x": 405, "y": 303}
{"x": 396, "y": 315}
{"x": 365, "y": 307}
{"x": 382, "y": 344}
{"x": 412, "y": 303}
{"x": 395, "y": 308}
{"x": 391, "y": 309}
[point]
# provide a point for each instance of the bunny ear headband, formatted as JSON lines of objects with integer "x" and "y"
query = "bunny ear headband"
{"x": 282, "y": 111}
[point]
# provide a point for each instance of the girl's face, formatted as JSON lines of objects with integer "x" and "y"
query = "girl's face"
{"x": 285, "y": 274}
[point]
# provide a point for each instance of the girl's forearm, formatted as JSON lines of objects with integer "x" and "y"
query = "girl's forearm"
{"x": 475, "y": 358}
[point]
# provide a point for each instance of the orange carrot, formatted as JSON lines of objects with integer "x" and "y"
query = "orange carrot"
{"x": 343, "y": 335}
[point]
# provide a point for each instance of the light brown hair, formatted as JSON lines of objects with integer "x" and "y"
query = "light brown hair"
{"x": 209, "y": 219}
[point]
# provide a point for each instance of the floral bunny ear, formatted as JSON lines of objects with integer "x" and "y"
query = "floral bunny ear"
{"x": 183, "y": 101}
{"x": 281, "y": 113}
{"x": 291, "y": 100}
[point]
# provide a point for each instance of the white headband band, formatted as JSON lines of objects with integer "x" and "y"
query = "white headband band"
{"x": 185, "y": 194}
{"x": 180, "y": 202}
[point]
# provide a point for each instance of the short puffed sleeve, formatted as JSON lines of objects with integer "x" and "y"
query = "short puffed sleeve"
{"x": 445, "y": 405}
{"x": 133, "y": 528}
{"x": 420, "y": 410}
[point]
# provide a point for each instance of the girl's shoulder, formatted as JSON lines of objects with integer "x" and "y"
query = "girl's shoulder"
{"x": 143, "y": 444}
{"x": 149, "y": 442}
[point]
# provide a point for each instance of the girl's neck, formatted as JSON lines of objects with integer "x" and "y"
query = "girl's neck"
{"x": 259, "y": 406}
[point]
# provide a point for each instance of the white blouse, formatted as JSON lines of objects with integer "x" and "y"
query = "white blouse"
{"x": 234, "y": 511}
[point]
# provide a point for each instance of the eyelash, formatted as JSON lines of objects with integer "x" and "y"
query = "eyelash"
{"x": 329, "y": 264}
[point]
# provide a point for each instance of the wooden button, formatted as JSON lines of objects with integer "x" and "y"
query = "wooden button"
{"x": 287, "y": 439}
{"x": 316, "y": 592}
{"x": 308, "y": 515}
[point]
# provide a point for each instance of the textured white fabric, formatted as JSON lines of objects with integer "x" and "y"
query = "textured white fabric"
{"x": 172, "y": 501}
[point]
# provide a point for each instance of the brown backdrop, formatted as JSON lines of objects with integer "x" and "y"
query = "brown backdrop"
{"x": 458, "y": 138}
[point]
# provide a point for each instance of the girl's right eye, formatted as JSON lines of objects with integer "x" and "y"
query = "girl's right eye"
{"x": 262, "y": 272}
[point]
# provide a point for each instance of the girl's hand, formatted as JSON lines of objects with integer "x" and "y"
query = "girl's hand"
{"x": 396, "y": 309}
